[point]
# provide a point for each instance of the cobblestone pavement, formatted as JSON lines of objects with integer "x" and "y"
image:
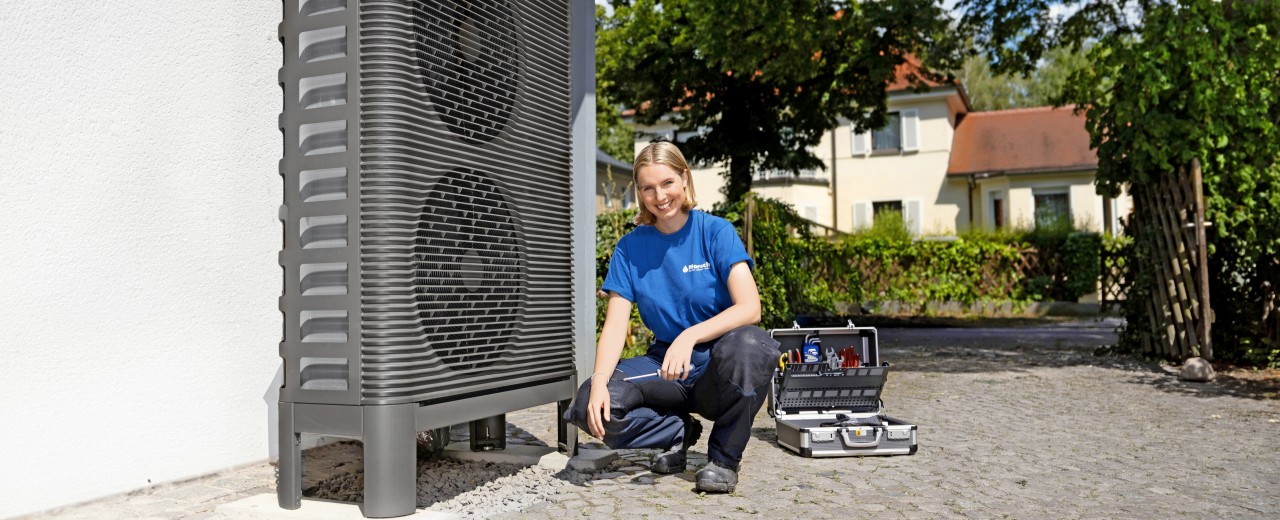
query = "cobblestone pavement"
{"x": 1013, "y": 423}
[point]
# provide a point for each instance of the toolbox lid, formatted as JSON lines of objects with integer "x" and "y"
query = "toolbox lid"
{"x": 813, "y": 387}
{"x": 816, "y": 387}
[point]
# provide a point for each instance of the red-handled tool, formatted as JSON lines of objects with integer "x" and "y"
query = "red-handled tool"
{"x": 851, "y": 357}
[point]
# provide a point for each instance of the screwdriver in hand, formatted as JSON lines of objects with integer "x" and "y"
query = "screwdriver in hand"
{"x": 639, "y": 377}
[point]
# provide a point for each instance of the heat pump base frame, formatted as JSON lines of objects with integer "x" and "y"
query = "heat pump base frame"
{"x": 389, "y": 434}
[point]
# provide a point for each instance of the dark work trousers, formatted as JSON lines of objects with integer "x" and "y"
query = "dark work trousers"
{"x": 727, "y": 385}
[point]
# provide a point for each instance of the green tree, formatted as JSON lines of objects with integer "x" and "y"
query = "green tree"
{"x": 613, "y": 136}
{"x": 1045, "y": 85}
{"x": 1048, "y": 85}
{"x": 1169, "y": 82}
{"x": 990, "y": 91}
{"x": 760, "y": 81}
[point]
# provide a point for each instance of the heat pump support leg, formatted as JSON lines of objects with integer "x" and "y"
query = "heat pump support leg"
{"x": 566, "y": 433}
{"x": 390, "y": 461}
{"x": 489, "y": 433}
{"x": 289, "y": 476}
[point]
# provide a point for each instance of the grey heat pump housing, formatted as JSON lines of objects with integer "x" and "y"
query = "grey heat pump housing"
{"x": 428, "y": 215}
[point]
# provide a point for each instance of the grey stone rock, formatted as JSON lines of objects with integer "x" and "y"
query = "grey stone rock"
{"x": 1197, "y": 370}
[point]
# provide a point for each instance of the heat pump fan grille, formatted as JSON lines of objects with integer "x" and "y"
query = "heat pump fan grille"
{"x": 468, "y": 270}
{"x": 468, "y": 54}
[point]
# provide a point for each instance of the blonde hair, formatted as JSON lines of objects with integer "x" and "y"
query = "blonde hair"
{"x": 664, "y": 153}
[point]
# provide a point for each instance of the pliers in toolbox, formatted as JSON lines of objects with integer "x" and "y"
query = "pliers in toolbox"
{"x": 788, "y": 357}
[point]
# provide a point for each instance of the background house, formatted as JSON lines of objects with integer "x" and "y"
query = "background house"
{"x": 944, "y": 167}
{"x": 1031, "y": 166}
{"x": 613, "y": 183}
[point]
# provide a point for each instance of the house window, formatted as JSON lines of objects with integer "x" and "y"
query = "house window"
{"x": 889, "y": 136}
{"x": 1052, "y": 207}
{"x": 894, "y": 206}
{"x": 890, "y": 213}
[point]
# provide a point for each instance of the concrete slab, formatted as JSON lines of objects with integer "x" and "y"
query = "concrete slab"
{"x": 592, "y": 460}
{"x": 519, "y": 454}
{"x": 266, "y": 507}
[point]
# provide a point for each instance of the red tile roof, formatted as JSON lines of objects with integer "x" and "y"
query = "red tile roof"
{"x": 1021, "y": 141}
{"x": 911, "y": 67}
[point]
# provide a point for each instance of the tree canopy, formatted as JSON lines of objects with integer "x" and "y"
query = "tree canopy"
{"x": 989, "y": 90}
{"x": 758, "y": 82}
{"x": 613, "y": 136}
{"x": 1169, "y": 82}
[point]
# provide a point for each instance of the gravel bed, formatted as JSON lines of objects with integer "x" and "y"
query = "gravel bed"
{"x": 466, "y": 488}
{"x": 469, "y": 488}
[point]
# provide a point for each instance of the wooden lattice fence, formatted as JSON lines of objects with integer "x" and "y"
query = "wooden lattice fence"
{"x": 1168, "y": 217}
{"x": 1113, "y": 279}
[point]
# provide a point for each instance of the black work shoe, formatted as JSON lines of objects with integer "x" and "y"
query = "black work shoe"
{"x": 675, "y": 459}
{"x": 716, "y": 478}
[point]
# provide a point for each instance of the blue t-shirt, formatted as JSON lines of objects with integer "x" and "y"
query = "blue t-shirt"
{"x": 677, "y": 280}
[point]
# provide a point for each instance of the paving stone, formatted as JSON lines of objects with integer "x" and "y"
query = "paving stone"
{"x": 592, "y": 460}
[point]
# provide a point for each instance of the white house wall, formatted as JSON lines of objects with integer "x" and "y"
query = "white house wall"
{"x": 917, "y": 175}
{"x": 1086, "y": 204}
{"x": 140, "y": 283}
{"x": 709, "y": 183}
{"x": 811, "y": 201}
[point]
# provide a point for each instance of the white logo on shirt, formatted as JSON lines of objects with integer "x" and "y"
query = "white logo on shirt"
{"x": 697, "y": 267}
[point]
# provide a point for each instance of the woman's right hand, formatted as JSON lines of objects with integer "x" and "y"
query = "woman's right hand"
{"x": 598, "y": 411}
{"x": 608, "y": 351}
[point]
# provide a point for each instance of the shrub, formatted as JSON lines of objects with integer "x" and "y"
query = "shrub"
{"x": 800, "y": 274}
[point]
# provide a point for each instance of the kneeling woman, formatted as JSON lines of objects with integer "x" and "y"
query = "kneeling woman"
{"x": 691, "y": 278}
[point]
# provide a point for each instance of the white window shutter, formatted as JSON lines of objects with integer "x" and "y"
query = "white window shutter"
{"x": 861, "y": 215}
{"x": 910, "y": 130}
{"x": 912, "y": 215}
{"x": 859, "y": 143}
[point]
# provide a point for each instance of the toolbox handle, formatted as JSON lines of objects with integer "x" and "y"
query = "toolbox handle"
{"x": 849, "y": 441}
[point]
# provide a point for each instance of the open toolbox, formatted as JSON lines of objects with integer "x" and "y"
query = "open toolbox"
{"x": 825, "y": 395}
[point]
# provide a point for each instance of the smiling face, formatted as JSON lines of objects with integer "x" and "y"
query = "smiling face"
{"x": 662, "y": 191}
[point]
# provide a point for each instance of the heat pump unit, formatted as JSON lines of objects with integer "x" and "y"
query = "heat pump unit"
{"x": 435, "y": 225}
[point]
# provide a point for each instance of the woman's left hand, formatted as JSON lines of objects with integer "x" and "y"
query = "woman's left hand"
{"x": 678, "y": 361}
